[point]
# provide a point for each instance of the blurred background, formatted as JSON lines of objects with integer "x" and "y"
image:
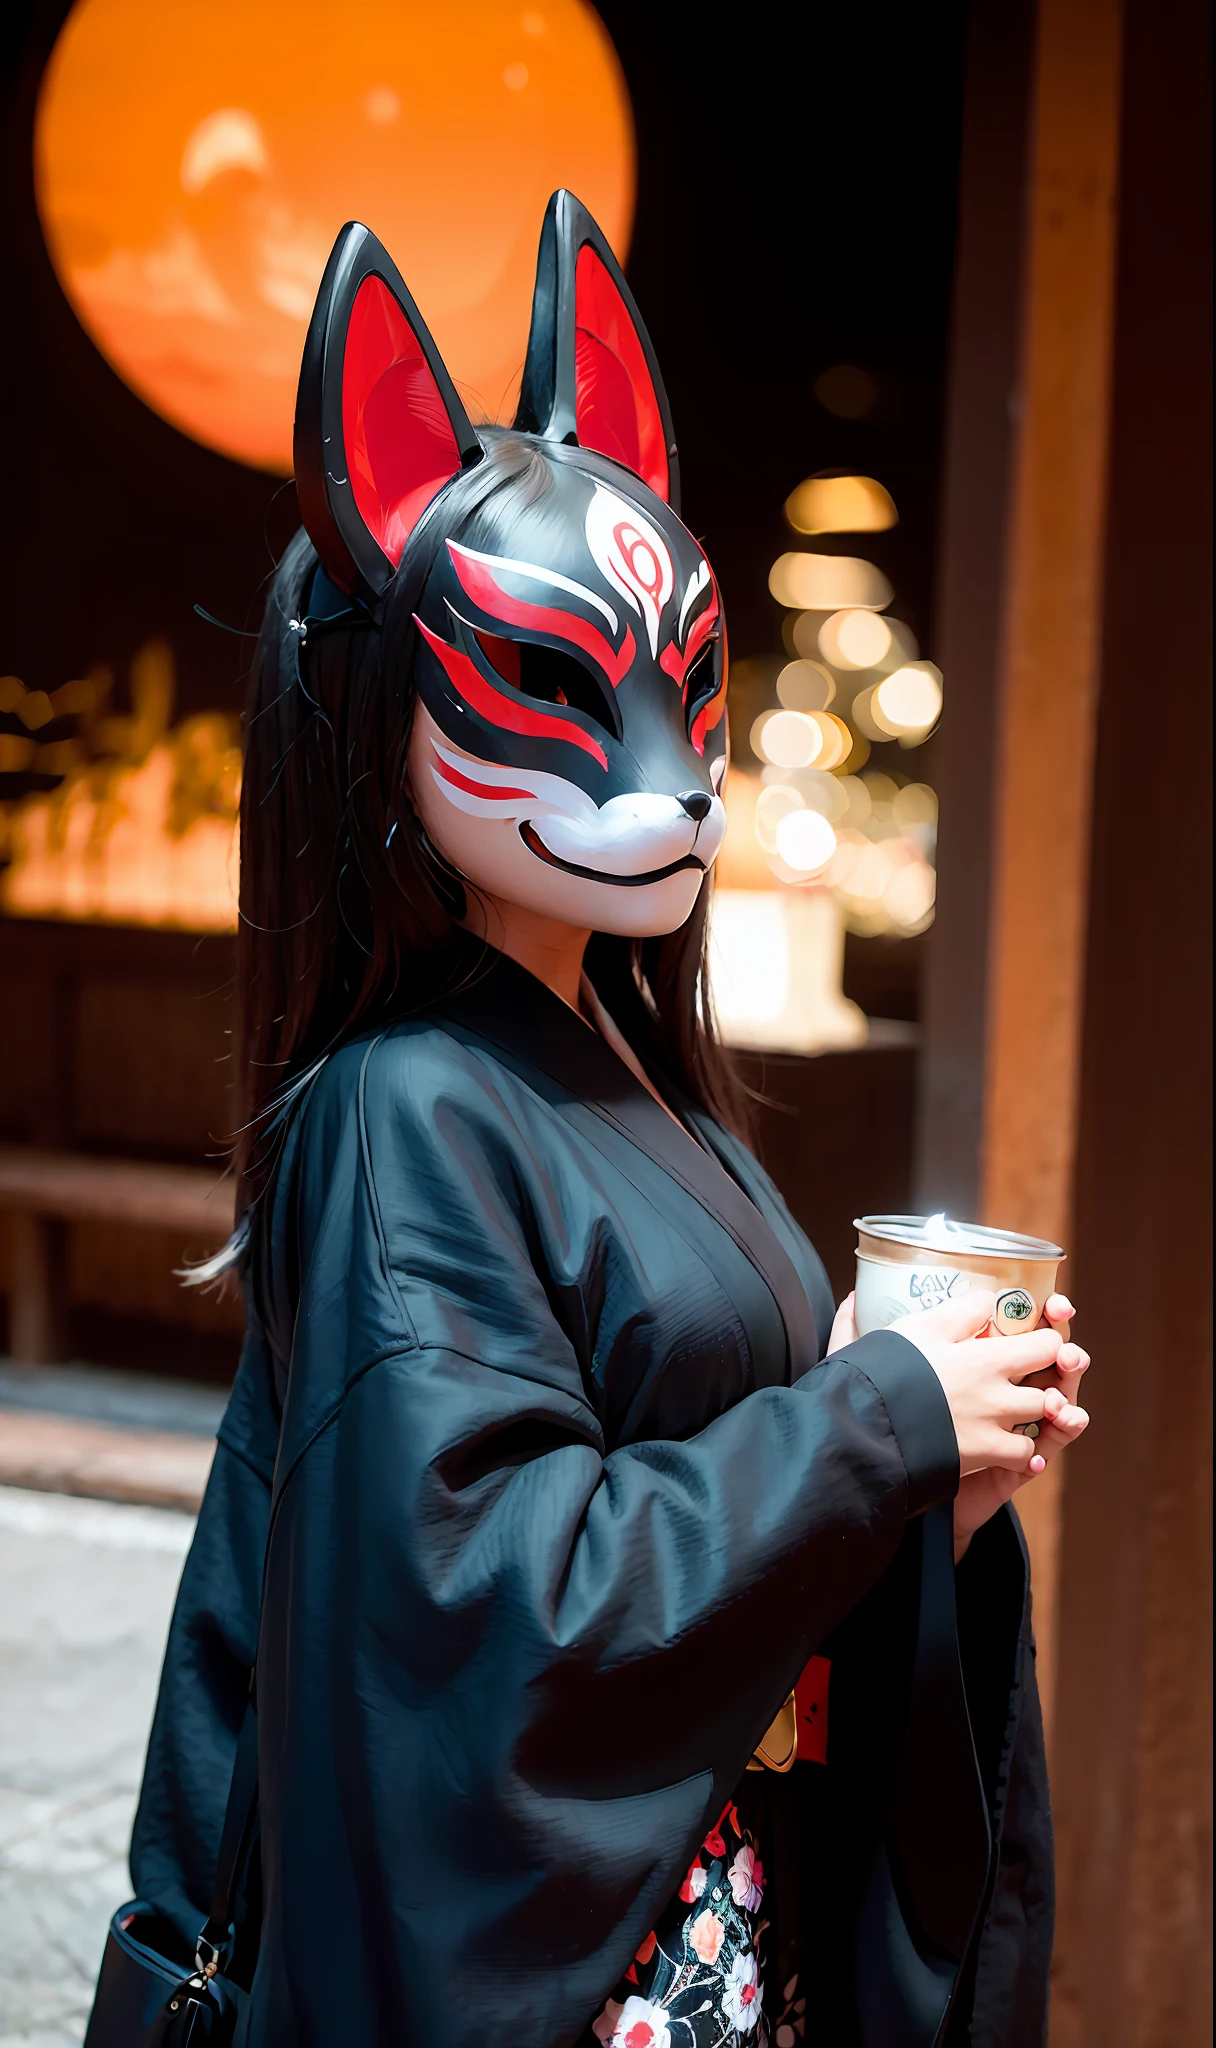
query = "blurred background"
{"x": 931, "y": 292}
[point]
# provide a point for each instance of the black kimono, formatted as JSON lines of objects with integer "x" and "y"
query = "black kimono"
{"x": 560, "y": 1502}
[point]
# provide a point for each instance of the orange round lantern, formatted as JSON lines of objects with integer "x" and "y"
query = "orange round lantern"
{"x": 194, "y": 163}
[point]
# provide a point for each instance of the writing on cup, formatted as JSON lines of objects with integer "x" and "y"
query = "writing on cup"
{"x": 936, "y": 1284}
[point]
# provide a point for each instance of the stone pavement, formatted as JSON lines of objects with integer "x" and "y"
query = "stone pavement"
{"x": 86, "y": 1587}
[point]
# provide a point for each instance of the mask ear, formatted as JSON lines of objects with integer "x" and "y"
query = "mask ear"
{"x": 591, "y": 377}
{"x": 379, "y": 429}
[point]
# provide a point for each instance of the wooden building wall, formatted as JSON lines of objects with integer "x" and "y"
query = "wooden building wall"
{"x": 1065, "y": 1083}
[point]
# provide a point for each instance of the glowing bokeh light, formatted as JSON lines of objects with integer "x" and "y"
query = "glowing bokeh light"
{"x": 909, "y": 699}
{"x": 878, "y": 876}
{"x": 914, "y": 805}
{"x": 881, "y": 789}
{"x": 841, "y": 504}
{"x": 823, "y": 793}
{"x": 853, "y": 798}
{"x": 909, "y": 896}
{"x": 806, "y": 686}
{"x": 804, "y": 632}
{"x": 194, "y": 163}
{"x": 805, "y": 841}
{"x": 816, "y": 788}
{"x": 791, "y": 739}
{"x": 828, "y": 583}
{"x": 865, "y": 718}
{"x": 836, "y": 740}
{"x": 870, "y": 871}
{"x": 772, "y": 805}
{"x": 854, "y": 639}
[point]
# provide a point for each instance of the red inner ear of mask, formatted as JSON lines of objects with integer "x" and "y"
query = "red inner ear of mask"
{"x": 616, "y": 409}
{"x": 400, "y": 447}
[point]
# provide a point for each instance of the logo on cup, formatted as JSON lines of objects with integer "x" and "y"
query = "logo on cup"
{"x": 1014, "y": 1307}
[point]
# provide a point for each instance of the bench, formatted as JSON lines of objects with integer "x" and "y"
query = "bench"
{"x": 44, "y": 1191}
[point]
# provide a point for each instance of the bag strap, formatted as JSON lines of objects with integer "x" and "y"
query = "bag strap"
{"x": 240, "y": 1819}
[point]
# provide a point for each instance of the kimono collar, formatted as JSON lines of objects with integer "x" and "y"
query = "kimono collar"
{"x": 513, "y": 1011}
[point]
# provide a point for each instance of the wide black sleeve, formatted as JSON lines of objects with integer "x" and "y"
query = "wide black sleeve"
{"x": 205, "y": 1680}
{"x": 542, "y": 1662}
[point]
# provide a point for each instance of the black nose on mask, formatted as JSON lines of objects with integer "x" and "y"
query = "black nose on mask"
{"x": 696, "y": 803}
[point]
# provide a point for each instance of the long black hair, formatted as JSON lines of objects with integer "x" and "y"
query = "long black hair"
{"x": 348, "y": 918}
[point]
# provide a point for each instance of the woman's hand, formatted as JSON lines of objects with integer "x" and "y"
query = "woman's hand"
{"x": 994, "y": 1460}
{"x": 981, "y": 1377}
{"x": 982, "y": 1493}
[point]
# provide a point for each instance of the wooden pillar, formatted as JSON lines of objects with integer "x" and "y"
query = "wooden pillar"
{"x": 1074, "y": 1093}
{"x": 1049, "y": 673}
{"x": 1131, "y": 1751}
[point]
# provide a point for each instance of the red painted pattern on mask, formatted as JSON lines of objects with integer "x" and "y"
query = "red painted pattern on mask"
{"x": 480, "y": 583}
{"x": 498, "y": 710}
{"x": 651, "y": 583}
{"x": 676, "y": 664}
{"x": 496, "y": 793}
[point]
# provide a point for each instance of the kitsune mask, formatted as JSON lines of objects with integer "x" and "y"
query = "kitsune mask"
{"x": 569, "y": 740}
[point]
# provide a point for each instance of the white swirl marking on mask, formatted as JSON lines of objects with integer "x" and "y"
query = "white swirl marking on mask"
{"x": 696, "y": 584}
{"x": 631, "y": 555}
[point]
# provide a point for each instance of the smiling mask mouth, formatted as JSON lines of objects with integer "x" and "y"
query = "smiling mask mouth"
{"x": 535, "y": 844}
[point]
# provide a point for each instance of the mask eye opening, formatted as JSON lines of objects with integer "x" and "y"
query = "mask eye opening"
{"x": 502, "y": 655}
{"x": 702, "y": 678}
{"x": 551, "y": 676}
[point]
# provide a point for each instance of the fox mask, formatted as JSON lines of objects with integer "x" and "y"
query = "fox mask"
{"x": 570, "y": 736}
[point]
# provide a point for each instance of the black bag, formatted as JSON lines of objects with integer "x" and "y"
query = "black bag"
{"x": 147, "y": 1994}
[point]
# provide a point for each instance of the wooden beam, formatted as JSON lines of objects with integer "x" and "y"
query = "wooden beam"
{"x": 1048, "y": 685}
{"x": 44, "y": 1192}
{"x": 78, "y": 1188}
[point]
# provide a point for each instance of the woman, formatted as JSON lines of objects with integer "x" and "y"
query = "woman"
{"x": 558, "y": 1502}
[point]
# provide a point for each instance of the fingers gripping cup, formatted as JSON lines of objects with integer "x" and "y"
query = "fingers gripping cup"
{"x": 908, "y": 1263}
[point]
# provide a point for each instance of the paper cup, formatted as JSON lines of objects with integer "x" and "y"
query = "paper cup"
{"x": 909, "y": 1263}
